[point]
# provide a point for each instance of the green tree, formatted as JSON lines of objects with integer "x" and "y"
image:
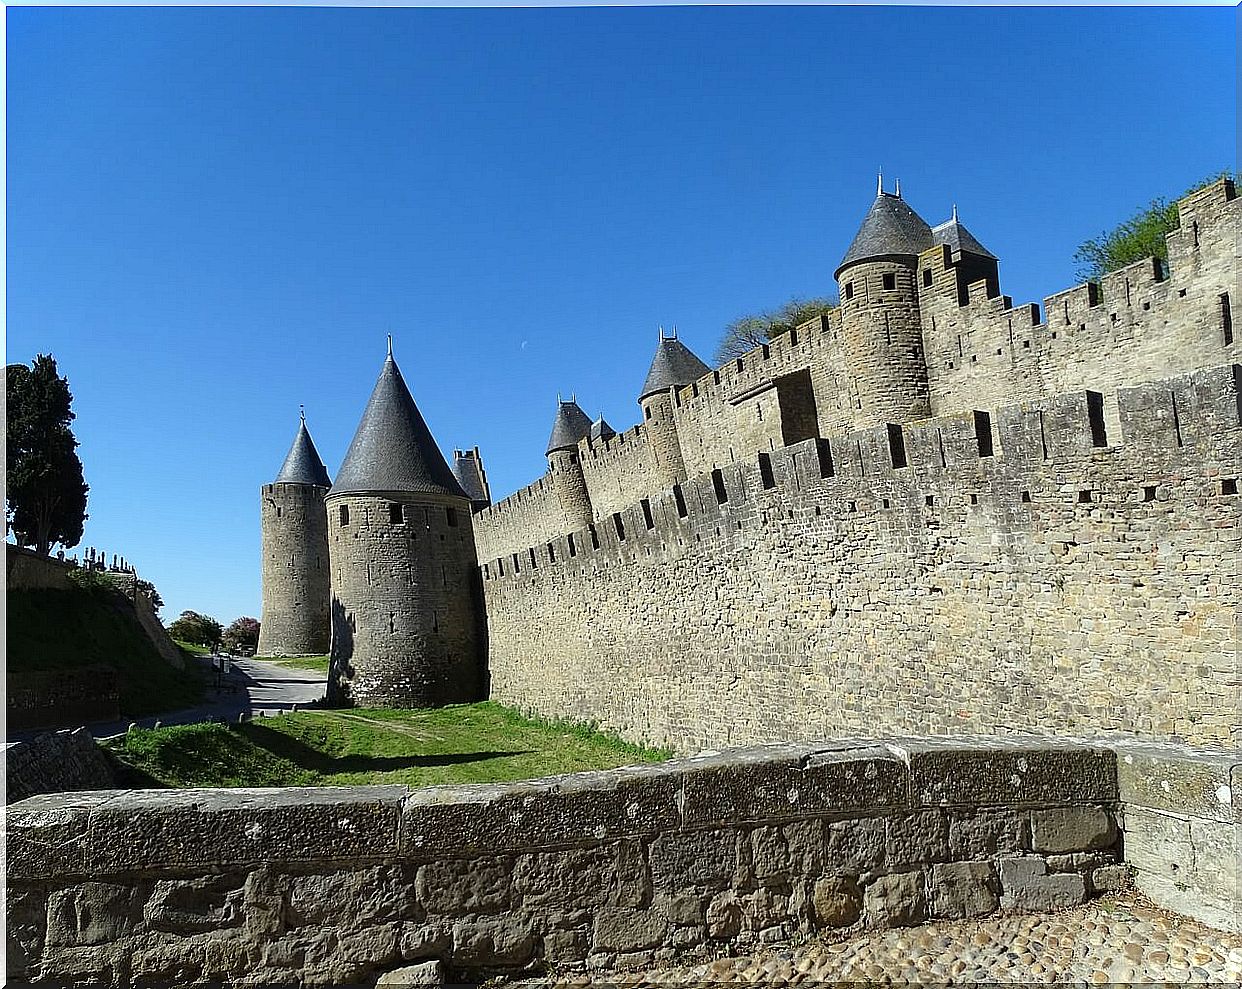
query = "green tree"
{"x": 1141, "y": 236}
{"x": 46, "y": 493}
{"x": 746, "y": 333}
{"x": 153, "y": 595}
{"x": 242, "y": 634}
{"x": 197, "y": 629}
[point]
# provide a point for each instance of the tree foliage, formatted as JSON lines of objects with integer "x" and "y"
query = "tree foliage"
{"x": 153, "y": 595}
{"x": 200, "y": 630}
{"x": 746, "y": 333}
{"x": 1141, "y": 236}
{"x": 46, "y": 493}
{"x": 243, "y": 633}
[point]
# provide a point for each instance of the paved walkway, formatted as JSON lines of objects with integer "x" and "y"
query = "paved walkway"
{"x": 251, "y": 687}
{"x": 1122, "y": 940}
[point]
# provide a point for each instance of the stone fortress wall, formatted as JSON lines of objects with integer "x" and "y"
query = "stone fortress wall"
{"x": 1061, "y": 560}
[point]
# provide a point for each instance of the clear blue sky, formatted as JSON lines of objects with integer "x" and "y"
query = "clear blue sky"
{"x": 217, "y": 214}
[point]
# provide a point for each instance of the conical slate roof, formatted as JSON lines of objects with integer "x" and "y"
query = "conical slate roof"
{"x": 954, "y": 234}
{"x": 393, "y": 450}
{"x": 674, "y": 365}
{"x": 600, "y": 430}
{"x": 468, "y": 469}
{"x": 890, "y": 227}
{"x": 302, "y": 465}
{"x": 570, "y": 425}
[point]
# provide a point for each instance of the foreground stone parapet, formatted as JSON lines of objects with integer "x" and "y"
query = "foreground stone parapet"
{"x": 621, "y": 867}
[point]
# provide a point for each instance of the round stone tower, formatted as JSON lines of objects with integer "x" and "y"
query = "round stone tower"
{"x": 673, "y": 366}
{"x": 564, "y": 466}
{"x": 294, "y": 526}
{"x": 405, "y": 593}
{"x": 880, "y": 323}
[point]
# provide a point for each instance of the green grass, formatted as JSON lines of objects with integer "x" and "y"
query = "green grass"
{"x": 463, "y": 743}
{"x": 192, "y": 648}
{"x": 64, "y": 629}
{"x": 317, "y": 663}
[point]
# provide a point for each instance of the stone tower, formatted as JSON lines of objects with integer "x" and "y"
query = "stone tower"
{"x": 674, "y": 365}
{"x": 406, "y": 617}
{"x": 880, "y": 323}
{"x": 294, "y": 526}
{"x": 570, "y": 425}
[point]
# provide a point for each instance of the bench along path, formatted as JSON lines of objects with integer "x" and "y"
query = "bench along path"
{"x": 1120, "y": 940}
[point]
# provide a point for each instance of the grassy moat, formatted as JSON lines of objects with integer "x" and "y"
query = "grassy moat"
{"x": 464, "y": 743}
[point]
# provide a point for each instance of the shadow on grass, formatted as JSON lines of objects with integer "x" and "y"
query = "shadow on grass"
{"x": 303, "y": 755}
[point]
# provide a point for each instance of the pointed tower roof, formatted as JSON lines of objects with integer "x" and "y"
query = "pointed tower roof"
{"x": 600, "y": 430}
{"x": 302, "y": 465}
{"x": 393, "y": 450}
{"x": 570, "y": 425}
{"x": 958, "y": 238}
{"x": 674, "y": 365}
{"x": 890, "y": 228}
{"x": 468, "y": 469}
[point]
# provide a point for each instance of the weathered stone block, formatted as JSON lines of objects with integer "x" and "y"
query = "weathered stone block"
{"x": 1159, "y": 845}
{"x": 1111, "y": 878}
{"x": 1072, "y": 829}
{"x": 769, "y": 853}
{"x": 92, "y": 913}
{"x": 916, "y": 838}
{"x": 768, "y": 782}
{"x": 836, "y": 901}
{"x": 681, "y": 910}
{"x": 963, "y": 889}
{"x": 425, "y": 941}
{"x": 855, "y": 846}
{"x": 615, "y": 803}
{"x": 424, "y": 974}
{"x": 1001, "y": 772}
{"x": 565, "y": 947}
{"x": 184, "y": 906}
{"x": 804, "y": 842}
{"x": 46, "y": 835}
{"x": 1026, "y": 885}
{"x": 764, "y": 908}
{"x": 457, "y": 886}
{"x": 986, "y": 834}
{"x": 633, "y": 888}
{"x": 508, "y": 940}
{"x": 622, "y": 930}
{"x": 570, "y": 877}
{"x": 683, "y": 859}
{"x": 724, "y": 916}
{"x": 896, "y": 900}
{"x": 1174, "y": 779}
{"x": 188, "y": 829}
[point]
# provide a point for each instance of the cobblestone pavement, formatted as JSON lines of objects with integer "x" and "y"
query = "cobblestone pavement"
{"x": 1120, "y": 940}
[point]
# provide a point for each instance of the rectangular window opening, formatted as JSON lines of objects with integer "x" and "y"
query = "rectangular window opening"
{"x": 927, "y": 276}
{"x": 983, "y": 433}
{"x": 395, "y": 515}
{"x": 573, "y": 548}
{"x": 929, "y": 501}
{"x": 1084, "y": 496}
{"x": 974, "y": 499}
{"x": 890, "y": 281}
{"x": 766, "y": 477}
{"x": 1026, "y": 497}
{"x": 533, "y": 562}
{"x": 1149, "y": 493}
{"x": 849, "y": 290}
{"x": 1226, "y": 318}
{"x": 1095, "y": 416}
{"x": 680, "y": 499}
{"x": 647, "y": 519}
{"x": 1229, "y": 486}
{"x": 896, "y": 445}
{"x": 451, "y": 513}
{"x": 824, "y": 449}
{"x": 344, "y": 515}
{"x": 594, "y": 536}
{"x": 551, "y": 553}
{"x": 619, "y": 525}
{"x": 718, "y": 484}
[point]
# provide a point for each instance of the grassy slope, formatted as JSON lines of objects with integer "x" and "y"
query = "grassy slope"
{"x": 52, "y": 629}
{"x": 316, "y": 663}
{"x": 465, "y": 743}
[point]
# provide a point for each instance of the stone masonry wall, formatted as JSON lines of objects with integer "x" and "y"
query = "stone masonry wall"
{"x": 55, "y": 762}
{"x": 721, "y": 852}
{"x": 1035, "y": 569}
{"x": 296, "y": 592}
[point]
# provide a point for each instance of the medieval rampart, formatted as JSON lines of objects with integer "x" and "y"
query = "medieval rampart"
{"x": 1139, "y": 324}
{"x": 1065, "y": 565}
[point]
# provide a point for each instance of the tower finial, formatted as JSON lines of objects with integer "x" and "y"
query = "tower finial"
{"x": 302, "y": 412}
{"x": 897, "y": 190}
{"x": 879, "y": 183}
{"x": 558, "y": 399}
{"x": 674, "y": 331}
{"x": 955, "y": 212}
{"x": 573, "y": 396}
{"x": 390, "y": 346}
{"x": 661, "y": 328}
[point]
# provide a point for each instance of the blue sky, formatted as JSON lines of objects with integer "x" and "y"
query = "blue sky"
{"x": 217, "y": 214}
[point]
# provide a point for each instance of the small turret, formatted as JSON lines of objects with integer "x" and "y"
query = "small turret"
{"x": 468, "y": 469}
{"x": 673, "y": 366}
{"x": 880, "y": 322}
{"x": 405, "y": 611}
{"x": 601, "y": 432}
{"x": 294, "y": 528}
{"x": 570, "y": 427}
{"x": 970, "y": 260}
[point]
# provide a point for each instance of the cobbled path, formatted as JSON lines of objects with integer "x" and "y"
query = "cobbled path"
{"x": 1123, "y": 940}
